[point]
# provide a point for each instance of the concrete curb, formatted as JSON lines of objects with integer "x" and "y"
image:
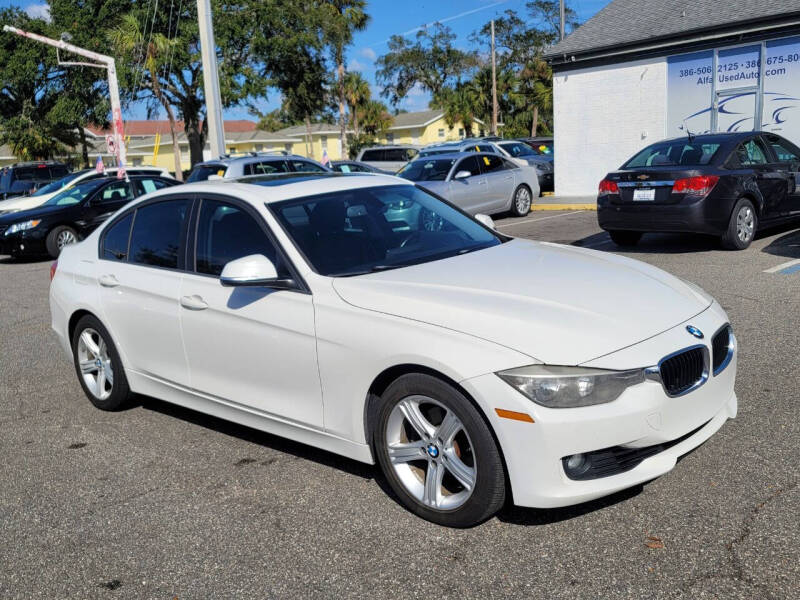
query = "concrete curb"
{"x": 553, "y": 206}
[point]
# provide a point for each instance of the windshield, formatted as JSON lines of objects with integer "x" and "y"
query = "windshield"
{"x": 203, "y": 172}
{"x": 518, "y": 149}
{"x": 366, "y": 230}
{"x": 427, "y": 170}
{"x": 75, "y": 194}
{"x": 58, "y": 184}
{"x": 673, "y": 153}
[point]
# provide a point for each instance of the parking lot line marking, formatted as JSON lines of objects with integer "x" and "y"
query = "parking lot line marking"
{"x": 783, "y": 266}
{"x": 574, "y": 212}
{"x": 790, "y": 270}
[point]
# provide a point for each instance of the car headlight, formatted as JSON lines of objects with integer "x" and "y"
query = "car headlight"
{"x": 570, "y": 387}
{"x": 23, "y": 226}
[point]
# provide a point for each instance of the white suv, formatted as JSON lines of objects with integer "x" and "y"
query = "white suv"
{"x": 254, "y": 163}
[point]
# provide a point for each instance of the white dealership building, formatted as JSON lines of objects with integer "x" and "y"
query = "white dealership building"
{"x": 643, "y": 70}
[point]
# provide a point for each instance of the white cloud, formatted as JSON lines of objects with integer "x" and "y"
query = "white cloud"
{"x": 38, "y": 11}
{"x": 368, "y": 53}
{"x": 354, "y": 65}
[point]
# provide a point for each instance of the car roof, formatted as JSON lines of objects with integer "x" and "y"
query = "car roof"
{"x": 720, "y": 136}
{"x": 452, "y": 155}
{"x": 415, "y": 147}
{"x": 228, "y": 160}
{"x": 261, "y": 189}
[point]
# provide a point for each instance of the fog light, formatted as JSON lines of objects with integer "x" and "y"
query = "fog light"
{"x": 576, "y": 464}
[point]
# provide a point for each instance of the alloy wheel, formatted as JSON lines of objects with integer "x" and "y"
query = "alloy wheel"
{"x": 745, "y": 224}
{"x": 522, "y": 201}
{"x": 95, "y": 364}
{"x": 65, "y": 238}
{"x": 431, "y": 452}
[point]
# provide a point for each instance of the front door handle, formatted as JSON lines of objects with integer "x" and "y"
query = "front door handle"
{"x": 194, "y": 302}
{"x": 108, "y": 281}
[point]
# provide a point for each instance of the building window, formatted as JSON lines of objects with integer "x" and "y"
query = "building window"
{"x": 324, "y": 141}
{"x": 441, "y": 133}
{"x": 287, "y": 147}
{"x": 137, "y": 161}
{"x": 461, "y": 132}
{"x": 259, "y": 147}
{"x": 390, "y": 138}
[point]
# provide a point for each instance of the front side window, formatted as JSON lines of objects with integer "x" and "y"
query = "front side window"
{"x": 353, "y": 232}
{"x": 119, "y": 191}
{"x": 156, "y": 235}
{"x": 225, "y": 233}
{"x": 372, "y": 155}
{"x": 267, "y": 167}
{"x": 427, "y": 169}
{"x": 516, "y": 149}
{"x": 115, "y": 239}
{"x": 471, "y": 164}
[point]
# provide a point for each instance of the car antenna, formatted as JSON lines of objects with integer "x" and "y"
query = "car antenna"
{"x": 689, "y": 133}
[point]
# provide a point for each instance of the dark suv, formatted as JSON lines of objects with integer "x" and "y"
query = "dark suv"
{"x": 25, "y": 178}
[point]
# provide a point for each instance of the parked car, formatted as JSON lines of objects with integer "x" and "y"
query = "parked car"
{"x": 543, "y": 163}
{"x": 23, "y": 178}
{"x": 307, "y": 313}
{"x": 43, "y": 194}
{"x": 254, "y": 163}
{"x": 723, "y": 184}
{"x": 476, "y": 182}
{"x": 72, "y": 214}
{"x": 354, "y": 166}
{"x": 388, "y": 158}
{"x": 542, "y": 144}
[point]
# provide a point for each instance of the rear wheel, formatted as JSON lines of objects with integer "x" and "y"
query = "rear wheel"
{"x": 437, "y": 452}
{"x": 625, "y": 238}
{"x": 741, "y": 227}
{"x": 58, "y": 238}
{"x": 521, "y": 202}
{"x": 98, "y": 365}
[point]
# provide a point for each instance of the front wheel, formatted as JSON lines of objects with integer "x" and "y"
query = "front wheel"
{"x": 58, "y": 238}
{"x": 98, "y": 365}
{"x": 437, "y": 452}
{"x": 521, "y": 202}
{"x": 741, "y": 227}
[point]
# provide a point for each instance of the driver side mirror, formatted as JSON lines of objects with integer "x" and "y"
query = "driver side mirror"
{"x": 255, "y": 270}
{"x": 485, "y": 220}
{"x": 462, "y": 175}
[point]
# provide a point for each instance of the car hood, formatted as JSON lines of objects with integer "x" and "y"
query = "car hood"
{"x": 34, "y": 213}
{"x": 558, "y": 304}
{"x": 25, "y": 202}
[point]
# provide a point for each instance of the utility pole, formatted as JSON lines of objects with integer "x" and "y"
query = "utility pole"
{"x": 494, "y": 86}
{"x": 208, "y": 49}
{"x": 561, "y": 12}
{"x": 101, "y": 62}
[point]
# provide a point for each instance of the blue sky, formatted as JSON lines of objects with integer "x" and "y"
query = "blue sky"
{"x": 391, "y": 17}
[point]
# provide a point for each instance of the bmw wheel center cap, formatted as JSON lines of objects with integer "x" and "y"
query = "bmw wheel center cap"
{"x": 432, "y": 450}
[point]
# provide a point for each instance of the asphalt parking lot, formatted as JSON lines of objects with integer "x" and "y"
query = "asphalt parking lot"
{"x": 161, "y": 502}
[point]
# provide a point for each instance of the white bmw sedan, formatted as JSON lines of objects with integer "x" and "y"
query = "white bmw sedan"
{"x": 472, "y": 367}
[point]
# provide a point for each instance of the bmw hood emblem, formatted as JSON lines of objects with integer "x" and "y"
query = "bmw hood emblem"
{"x": 695, "y": 332}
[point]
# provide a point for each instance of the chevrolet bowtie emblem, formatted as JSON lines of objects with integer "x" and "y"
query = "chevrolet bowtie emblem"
{"x": 643, "y": 177}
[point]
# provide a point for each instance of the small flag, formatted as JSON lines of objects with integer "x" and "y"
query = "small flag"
{"x": 99, "y": 166}
{"x": 325, "y": 158}
{"x": 121, "y": 172}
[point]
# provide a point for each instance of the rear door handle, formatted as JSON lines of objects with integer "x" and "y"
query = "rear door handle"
{"x": 108, "y": 281}
{"x": 193, "y": 302}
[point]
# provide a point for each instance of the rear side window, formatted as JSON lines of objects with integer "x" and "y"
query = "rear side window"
{"x": 492, "y": 164}
{"x": 397, "y": 155}
{"x": 145, "y": 186}
{"x": 751, "y": 153}
{"x": 203, "y": 172}
{"x": 783, "y": 150}
{"x": 266, "y": 167}
{"x": 58, "y": 171}
{"x": 225, "y": 233}
{"x": 374, "y": 155}
{"x": 303, "y": 166}
{"x": 156, "y": 236}
{"x": 115, "y": 239}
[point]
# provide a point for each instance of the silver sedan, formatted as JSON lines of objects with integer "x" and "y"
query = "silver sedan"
{"x": 476, "y": 183}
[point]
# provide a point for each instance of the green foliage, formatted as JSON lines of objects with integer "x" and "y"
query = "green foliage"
{"x": 356, "y": 142}
{"x": 432, "y": 62}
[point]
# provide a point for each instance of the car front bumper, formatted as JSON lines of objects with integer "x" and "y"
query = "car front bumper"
{"x": 644, "y": 416}
{"x": 545, "y": 182}
{"x": 708, "y": 215}
{"x": 23, "y": 242}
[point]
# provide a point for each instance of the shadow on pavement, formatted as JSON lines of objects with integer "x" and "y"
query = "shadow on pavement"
{"x": 24, "y": 260}
{"x": 652, "y": 243}
{"x": 254, "y": 436}
{"x": 787, "y": 245}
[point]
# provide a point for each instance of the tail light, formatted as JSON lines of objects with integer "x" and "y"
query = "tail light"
{"x": 53, "y": 268}
{"x": 695, "y": 186}
{"x": 608, "y": 187}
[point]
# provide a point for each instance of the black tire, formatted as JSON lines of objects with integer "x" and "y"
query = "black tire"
{"x": 119, "y": 391}
{"x": 519, "y": 211}
{"x": 53, "y": 242}
{"x": 479, "y": 449}
{"x": 625, "y": 238}
{"x": 733, "y": 238}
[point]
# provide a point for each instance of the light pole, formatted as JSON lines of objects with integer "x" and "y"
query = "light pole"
{"x": 208, "y": 49}
{"x": 102, "y": 62}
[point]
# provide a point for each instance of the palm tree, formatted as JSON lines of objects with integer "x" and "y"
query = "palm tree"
{"x": 357, "y": 94}
{"x": 460, "y": 105}
{"x": 346, "y": 17}
{"x": 128, "y": 40}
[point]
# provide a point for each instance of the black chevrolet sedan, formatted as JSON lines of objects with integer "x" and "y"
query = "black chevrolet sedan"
{"x": 725, "y": 184}
{"x": 71, "y": 215}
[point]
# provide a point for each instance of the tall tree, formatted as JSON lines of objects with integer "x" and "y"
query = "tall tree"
{"x": 127, "y": 38}
{"x": 432, "y": 62}
{"x": 357, "y": 94}
{"x": 343, "y": 18}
